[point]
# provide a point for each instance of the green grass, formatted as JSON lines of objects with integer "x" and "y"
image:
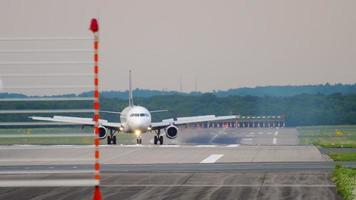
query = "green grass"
{"x": 336, "y": 142}
{"x": 325, "y": 136}
{"x": 345, "y": 179}
{"x": 55, "y": 130}
{"x": 343, "y": 156}
{"x": 53, "y": 136}
{"x": 47, "y": 140}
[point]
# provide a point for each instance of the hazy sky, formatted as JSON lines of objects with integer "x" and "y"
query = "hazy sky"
{"x": 223, "y": 43}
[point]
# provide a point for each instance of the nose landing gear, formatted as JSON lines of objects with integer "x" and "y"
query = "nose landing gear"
{"x": 139, "y": 140}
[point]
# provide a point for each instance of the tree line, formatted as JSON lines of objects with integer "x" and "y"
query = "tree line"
{"x": 299, "y": 110}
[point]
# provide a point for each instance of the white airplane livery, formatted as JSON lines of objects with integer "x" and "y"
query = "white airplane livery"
{"x": 137, "y": 120}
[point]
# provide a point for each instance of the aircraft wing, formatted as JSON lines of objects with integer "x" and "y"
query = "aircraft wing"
{"x": 189, "y": 120}
{"x": 77, "y": 120}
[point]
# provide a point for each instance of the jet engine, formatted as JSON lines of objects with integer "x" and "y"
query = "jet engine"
{"x": 171, "y": 132}
{"x": 102, "y": 132}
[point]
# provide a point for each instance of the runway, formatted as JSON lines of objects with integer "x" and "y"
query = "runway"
{"x": 244, "y": 136}
{"x": 197, "y": 185}
{"x": 198, "y": 165}
{"x": 149, "y": 154}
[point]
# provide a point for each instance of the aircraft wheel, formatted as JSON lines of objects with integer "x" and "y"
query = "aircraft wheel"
{"x": 161, "y": 140}
{"x": 109, "y": 139}
{"x": 155, "y": 139}
{"x": 139, "y": 140}
{"x": 114, "y": 140}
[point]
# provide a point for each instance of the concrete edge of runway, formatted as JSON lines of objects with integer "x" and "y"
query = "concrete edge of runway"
{"x": 174, "y": 168}
{"x": 20, "y": 146}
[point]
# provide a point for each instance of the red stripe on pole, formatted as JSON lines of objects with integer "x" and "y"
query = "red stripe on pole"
{"x": 97, "y": 166}
{"x": 97, "y": 154}
{"x": 96, "y": 81}
{"x": 97, "y": 193}
{"x": 96, "y": 94}
{"x": 96, "y": 117}
{"x": 96, "y": 45}
{"x": 96, "y": 69}
{"x": 97, "y": 142}
{"x": 96, "y": 57}
{"x": 96, "y": 106}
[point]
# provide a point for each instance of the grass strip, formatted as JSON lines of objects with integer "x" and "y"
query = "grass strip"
{"x": 343, "y": 156}
{"x": 345, "y": 179}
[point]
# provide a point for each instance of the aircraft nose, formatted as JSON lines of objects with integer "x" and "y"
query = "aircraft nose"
{"x": 139, "y": 124}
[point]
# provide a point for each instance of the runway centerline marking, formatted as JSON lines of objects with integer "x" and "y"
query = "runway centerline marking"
{"x": 212, "y": 158}
{"x": 274, "y": 140}
{"x": 276, "y": 133}
{"x": 233, "y": 145}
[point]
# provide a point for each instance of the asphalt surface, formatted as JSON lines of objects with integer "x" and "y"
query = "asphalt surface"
{"x": 149, "y": 154}
{"x": 237, "y": 185}
{"x": 200, "y": 167}
{"x": 244, "y": 136}
{"x": 200, "y": 164}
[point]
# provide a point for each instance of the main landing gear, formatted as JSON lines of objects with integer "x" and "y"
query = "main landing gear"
{"x": 111, "y": 138}
{"x": 139, "y": 140}
{"x": 158, "y": 137}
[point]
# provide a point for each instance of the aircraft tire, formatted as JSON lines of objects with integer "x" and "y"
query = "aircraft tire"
{"x": 161, "y": 140}
{"x": 155, "y": 139}
{"x": 109, "y": 139}
{"x": 114, "y": 140}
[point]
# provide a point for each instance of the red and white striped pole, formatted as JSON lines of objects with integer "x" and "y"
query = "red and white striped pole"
{"x": 94, "y": 27}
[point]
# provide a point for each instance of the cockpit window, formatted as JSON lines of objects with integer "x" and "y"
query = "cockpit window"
{"x": 139, "y": 115}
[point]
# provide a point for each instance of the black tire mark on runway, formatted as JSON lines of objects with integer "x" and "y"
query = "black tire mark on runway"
{"x": 213, "y": 139}
{"x": 227, "y": 139}
{"x": 259, "y": 194}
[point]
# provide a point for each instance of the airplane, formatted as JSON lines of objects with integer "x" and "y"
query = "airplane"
{"x": 136, "y": 119}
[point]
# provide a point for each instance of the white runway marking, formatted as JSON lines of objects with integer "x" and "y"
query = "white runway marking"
{"x": 221, "y": 185}
{"x": 276, "y": 133}
{"x": 49, "y": 146}
{"x": 233, "y": 145}
{"x": 208, "y": 145}
{"x": 48, "y": 183}
{"x": 169, "y": 145}
{"x": 47, "y": 160}
{"x": 46, "y": 172}
{"x": 212, "y": 158}
{"x": 274, "y": 140}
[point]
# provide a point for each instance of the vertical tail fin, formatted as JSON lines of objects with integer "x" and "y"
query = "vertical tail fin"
{"x": 130, "y": 91}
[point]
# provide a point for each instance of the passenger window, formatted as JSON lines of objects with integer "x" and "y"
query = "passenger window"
{"x": 142, "y": 114}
